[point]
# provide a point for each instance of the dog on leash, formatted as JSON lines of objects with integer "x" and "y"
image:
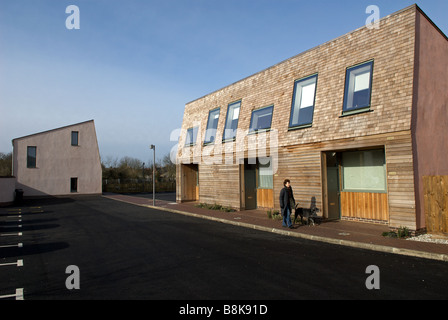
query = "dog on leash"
{"x": 309, "y": 213}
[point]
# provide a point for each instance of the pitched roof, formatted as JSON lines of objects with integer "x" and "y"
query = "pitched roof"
{"x": 43, "y": 132}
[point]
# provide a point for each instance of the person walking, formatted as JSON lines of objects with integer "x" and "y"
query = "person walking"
{"x": 287, "y": 202}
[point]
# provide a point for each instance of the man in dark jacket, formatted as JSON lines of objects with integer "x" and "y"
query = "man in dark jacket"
{"x": 287, "y": 202}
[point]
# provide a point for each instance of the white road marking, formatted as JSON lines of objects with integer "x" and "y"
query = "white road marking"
{"x": 19, "y": 263}
{"x": 18, "y": 295}
{"x": 18, "y": 234}
{"x": 19, "y": 245}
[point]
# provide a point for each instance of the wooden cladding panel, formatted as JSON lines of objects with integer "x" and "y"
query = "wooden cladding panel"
{"x": 436, "y": 203}
{"x": 189, "y": 183}
{"x": 265, "y": 198}
{"x": 370, "y": 206}
{"x": 400, "y": 182}
{"x": 302, "y": 165}
{"x": 220, "y": 183}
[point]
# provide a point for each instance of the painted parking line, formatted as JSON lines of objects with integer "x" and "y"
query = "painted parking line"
{"x": 16, "y": 234}
{"x": 18, "y": 295}
{"x": 19, "y": 245}
{"x": 19, "y": 263}
{"x": 17, "y": 226}
{"x": 14, "y": 215}
{"x": 13, "y": 218}
{"x": 14, "y": 211}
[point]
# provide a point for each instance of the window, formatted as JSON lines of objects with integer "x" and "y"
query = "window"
{"x": 261, "y": 119}
{"x": 358, "y": 87}
{"x": 192, "y": 135}
{"x": 31, "y": 158}
{"x": 212, "y": 125}
{"x": 74, "y": 185}
{"x": 302, "y": 110}
{"x": 75, "y": 135}
{"x": 364, "y": 171}
{"x": 233, "y": 115}
{"x": 265, "y": 175}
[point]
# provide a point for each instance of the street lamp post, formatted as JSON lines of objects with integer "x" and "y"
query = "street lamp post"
{"x": 143, "y": 177}
{"x": 153, "y": 147}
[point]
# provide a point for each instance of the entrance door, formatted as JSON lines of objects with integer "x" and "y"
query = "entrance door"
{"x": 250, "y": 186}
{"x": 190, "y": 182}
{"x": 333, "y": 191}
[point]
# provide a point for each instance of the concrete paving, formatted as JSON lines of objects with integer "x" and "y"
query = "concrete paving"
{"x": 346, "y": 233}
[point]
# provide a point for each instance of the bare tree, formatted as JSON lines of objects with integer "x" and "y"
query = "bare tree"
{"x": 5, "y": 164}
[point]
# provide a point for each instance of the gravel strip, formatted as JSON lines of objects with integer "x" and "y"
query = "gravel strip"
{"x": 429, "y": 238}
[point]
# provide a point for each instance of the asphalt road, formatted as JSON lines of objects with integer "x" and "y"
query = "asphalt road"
{"x": 124, "y": 251}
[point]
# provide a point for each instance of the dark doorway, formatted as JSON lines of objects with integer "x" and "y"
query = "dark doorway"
{"x": 333, "y": 189}
{"x": 250, "y": 185}
{"x": 74, "y": 185}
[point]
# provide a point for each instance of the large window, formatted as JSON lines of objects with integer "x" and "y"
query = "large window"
{"x": 364, "y": 171}
{"x": 212, "y": 125}
{"x": 303, "y": 102}
{"x": 31, "y": 157}
{"x": 261, "y": 119}
{"x": 358, "y": 87}
{"x": 192, "y": 135}
{"x": 233, "y": 115}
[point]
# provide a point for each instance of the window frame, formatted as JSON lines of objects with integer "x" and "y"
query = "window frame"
{"x": 76, "y": 144}
{"x": 194, "y": 132}
{"x": 31, "y": 164}
{"x": 361, "y": 154}
{"x": 265, "y": 164}
{"x": 293, "y": 105}
{"x": 350, "y": 86}
{"x": 233, "y": 137}
{"x": 253, "y": 131}
{"x": 207, "y": 130}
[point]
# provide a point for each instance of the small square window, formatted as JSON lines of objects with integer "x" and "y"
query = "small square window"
{"x": 261, "y": 119}
{"x": 233, "y": 115}
{"x": 192, "y": 135}
{"x": 358, "y": 87}
{"x": 74, "y": 185}
{"x": 31, "y": 157}
{"x": 75, "y": 136}
{"x": 212, "y": 126}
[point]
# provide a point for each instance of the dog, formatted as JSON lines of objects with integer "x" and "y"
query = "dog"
{"x": 309, "y": 213}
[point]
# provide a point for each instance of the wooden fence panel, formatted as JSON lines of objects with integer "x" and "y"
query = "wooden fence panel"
{"x": 369, "y": 206}
{"x": 265, "y": 198}
{"x": 435, "y": 190}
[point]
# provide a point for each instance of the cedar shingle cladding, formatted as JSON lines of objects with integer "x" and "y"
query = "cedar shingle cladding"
{"x": 392, "y": 49}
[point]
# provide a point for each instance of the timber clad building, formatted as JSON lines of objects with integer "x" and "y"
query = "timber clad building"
{"x": 354, "y": 123}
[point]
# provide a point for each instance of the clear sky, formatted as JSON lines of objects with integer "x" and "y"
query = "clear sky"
{"x": 134, "y": 64}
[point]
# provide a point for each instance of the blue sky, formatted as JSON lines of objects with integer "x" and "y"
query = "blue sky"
{"x": 133, "y": 65}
